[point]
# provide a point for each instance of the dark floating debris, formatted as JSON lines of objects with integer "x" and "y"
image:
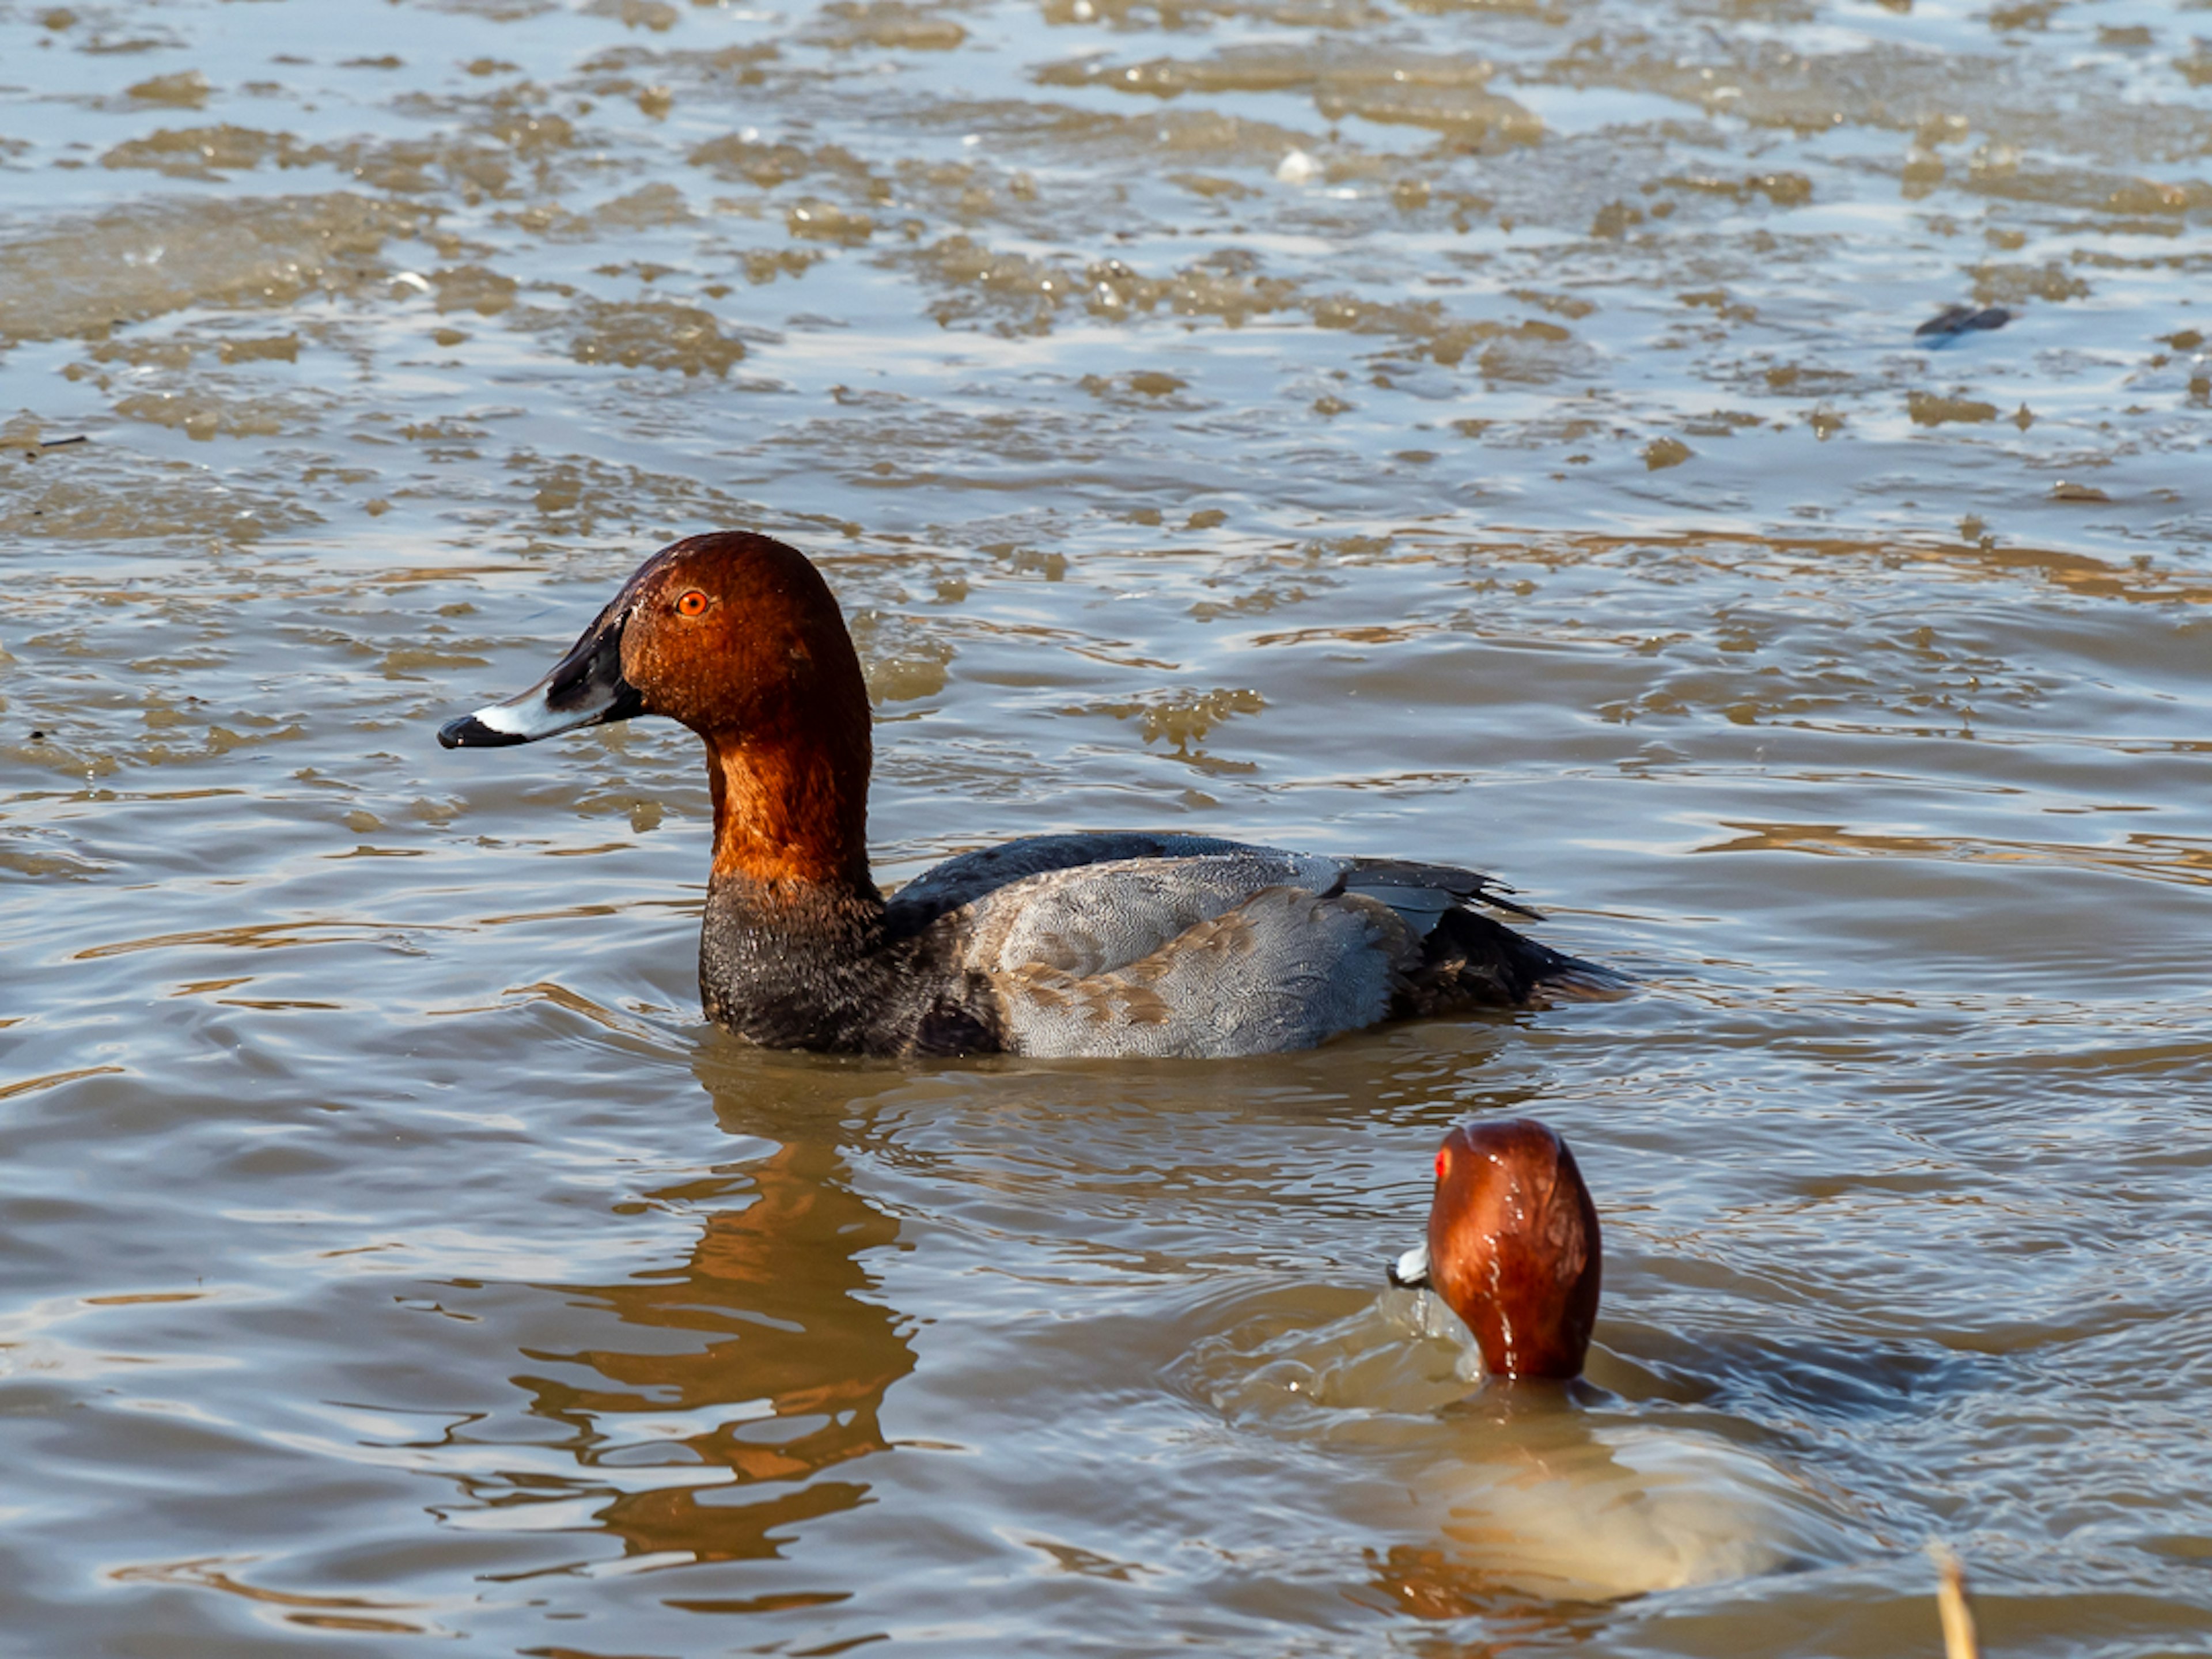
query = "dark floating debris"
{"x": 33, "y": 446}
{"x": 1957, "y": 320}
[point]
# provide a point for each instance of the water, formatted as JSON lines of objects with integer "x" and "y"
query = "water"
{"x": 1488, "y": 432}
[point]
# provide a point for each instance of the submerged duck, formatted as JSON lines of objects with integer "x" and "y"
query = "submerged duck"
{"x": 1061, "y": 945}
{"x": 1551, "y": 1498}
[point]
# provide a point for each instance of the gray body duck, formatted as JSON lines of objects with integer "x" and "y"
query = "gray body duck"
{"x": 1109, "y": 944}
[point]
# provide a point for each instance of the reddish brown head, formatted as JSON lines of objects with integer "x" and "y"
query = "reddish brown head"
{"x": 739, "y": 638}
{"x": 1513, "y": 1247}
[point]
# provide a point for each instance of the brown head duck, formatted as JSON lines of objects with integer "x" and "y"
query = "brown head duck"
{"x": 1107, "y": 944}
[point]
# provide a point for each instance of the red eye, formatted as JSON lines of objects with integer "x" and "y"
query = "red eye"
{"x": 693, "y": 604}
{"x": 1444, "y": 1161}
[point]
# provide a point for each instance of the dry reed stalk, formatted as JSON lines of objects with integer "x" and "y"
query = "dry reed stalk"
{"x": 1952, "y": 1607}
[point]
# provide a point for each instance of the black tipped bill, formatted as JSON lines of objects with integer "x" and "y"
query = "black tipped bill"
{"x": 470, "y": 732}
{"x": 1410, "y": 1271}
{"x": 586, "y": 688}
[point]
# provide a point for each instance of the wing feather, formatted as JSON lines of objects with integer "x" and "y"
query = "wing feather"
{"x": 1286, "y": 969}
{"x": 970, "y": 877}
{"x": 1099, "y": 917}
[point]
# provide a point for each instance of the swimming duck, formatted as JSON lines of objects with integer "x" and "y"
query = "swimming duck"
{"x": 1105, "y": 944}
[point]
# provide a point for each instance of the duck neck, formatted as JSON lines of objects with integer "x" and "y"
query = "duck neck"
{"x": 791, "y": 819}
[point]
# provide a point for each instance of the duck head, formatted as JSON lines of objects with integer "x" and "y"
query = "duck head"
{"x": 737, "y": 636}
{"x": 1513, "y": 1247}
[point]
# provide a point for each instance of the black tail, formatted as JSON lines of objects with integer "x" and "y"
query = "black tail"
{"x": 1470, "y": 959}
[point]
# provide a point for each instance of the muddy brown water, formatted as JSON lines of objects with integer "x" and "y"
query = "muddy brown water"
{"x": 1478, "y": 431}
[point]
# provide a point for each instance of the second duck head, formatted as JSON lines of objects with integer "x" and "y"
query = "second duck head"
{"x": 1513, "y": 1248}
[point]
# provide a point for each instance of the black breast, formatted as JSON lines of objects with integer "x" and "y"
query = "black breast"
{"x": 798, "y": 965}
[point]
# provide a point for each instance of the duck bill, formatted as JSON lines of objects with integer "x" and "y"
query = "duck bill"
{"x": 1410, "y": 1271}
{"x": 586, "y": 688}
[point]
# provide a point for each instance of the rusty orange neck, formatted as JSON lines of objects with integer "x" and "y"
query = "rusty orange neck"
{"x": 790, "y": 811}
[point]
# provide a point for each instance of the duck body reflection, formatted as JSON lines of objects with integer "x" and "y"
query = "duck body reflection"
{"x": 762, "y": 1362}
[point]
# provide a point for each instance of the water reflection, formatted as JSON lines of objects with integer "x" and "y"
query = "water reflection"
{"x": 758, "y": 1355}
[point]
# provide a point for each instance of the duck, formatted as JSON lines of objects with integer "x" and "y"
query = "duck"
{"x": 1555, "y": 1492}
{"x": 1060, "y": 945}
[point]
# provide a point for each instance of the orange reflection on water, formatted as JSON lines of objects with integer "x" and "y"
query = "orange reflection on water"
{"x": 800, "y": 1358}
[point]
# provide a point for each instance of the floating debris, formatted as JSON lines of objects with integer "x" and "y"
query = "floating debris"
{"x": 1930, "y": 409}
{"x": 1960, "y": 320}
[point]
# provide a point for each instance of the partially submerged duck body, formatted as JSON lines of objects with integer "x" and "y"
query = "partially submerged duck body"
{"x": 1459, "y": 1452}
{"x": 1061, "y": 945}
{"x": 1462, "y": 1494}
{"x": 1572, "y": 1506}
{"x": 1543, "y": 1498}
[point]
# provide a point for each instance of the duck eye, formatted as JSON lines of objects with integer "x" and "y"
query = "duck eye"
{"x": 1444, "y": 1161}
{"x": 693, "y": 604}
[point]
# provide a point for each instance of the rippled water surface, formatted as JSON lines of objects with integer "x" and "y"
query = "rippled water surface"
{"x": 1478, "y": 429}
